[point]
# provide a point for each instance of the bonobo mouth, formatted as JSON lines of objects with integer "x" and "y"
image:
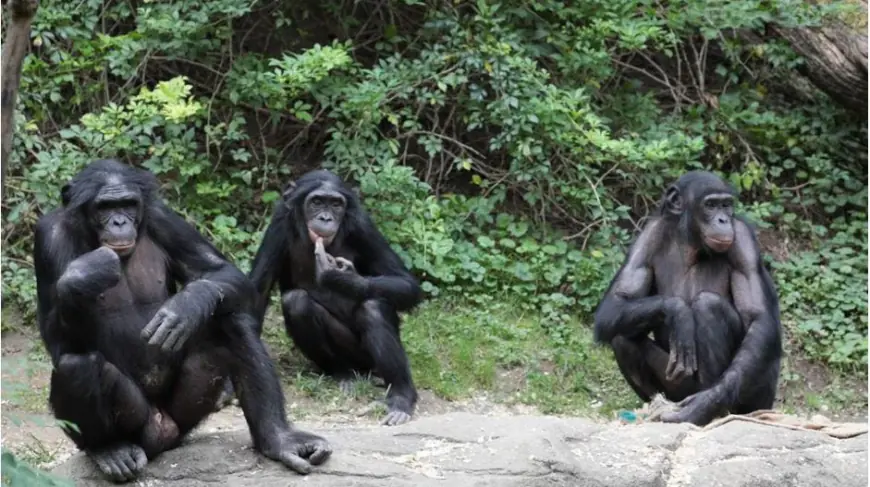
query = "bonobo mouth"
{"x": 120, "y": 247}
{"x": 719, "y": 244}
{"x": 314, "y": 236}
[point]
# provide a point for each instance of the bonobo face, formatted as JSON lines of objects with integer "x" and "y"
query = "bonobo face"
{"x": 715, "y": 213}
{"x": 324, "y": 211}
{"x": 115, "y": 214}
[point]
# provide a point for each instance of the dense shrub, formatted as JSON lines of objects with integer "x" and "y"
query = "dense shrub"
{"x": 509, "y": 148}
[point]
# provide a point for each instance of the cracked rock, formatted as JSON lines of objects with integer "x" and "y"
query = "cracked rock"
{"x": 464, "y": 449}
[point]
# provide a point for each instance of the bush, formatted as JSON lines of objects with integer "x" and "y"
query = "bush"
{"x": 507, "y": 148}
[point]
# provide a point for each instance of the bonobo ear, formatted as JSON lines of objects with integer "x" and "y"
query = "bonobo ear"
{"x": 673, "y": 201}
{"x": 64, "y": 194}
{"x": 288, "y": 190}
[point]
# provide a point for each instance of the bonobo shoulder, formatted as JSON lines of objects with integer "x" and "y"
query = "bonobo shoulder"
{"x": 49, "y": 228}
{"x": 649, "y": 241}
{"x": 745, "y": 252}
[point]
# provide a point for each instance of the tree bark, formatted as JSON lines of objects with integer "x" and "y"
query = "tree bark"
{"x": 15, "y": 48}
{"x": 836, "y": 61}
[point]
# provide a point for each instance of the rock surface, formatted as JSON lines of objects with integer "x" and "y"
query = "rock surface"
{"x": 463, "y": 449}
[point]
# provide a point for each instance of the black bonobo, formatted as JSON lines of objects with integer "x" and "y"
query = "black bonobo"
{"x": 695, "y": 279}
{"x": 144, "y": 321}
{"x": 342, "y": 286}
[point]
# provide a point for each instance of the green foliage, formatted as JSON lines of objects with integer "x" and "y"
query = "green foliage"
{"x": 507, "y": 149}
{"x": 18, "y": 474}
{"x": 820, "y": 288}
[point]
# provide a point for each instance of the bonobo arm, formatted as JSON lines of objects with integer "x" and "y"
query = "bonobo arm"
{"x": 88, "y": 276}
{"x": 212, "y": 284}
{"x": 627, "y": 308}
{"x": 59, "y": 261}
{"x": 269, "y": 261}
{"x": 381, "y": 274}
{"x": 756, "y": 301}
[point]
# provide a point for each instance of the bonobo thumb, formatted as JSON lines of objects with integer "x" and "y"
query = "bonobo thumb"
{"x": 295, "y": 462}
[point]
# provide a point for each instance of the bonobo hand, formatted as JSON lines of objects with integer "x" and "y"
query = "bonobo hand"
{"x": 681, "y": 323}
{"x": 324, "y": 262}
{"x": 699, "y": 408}
{"x": 299, "y": 450}
{"x": 120, "y": 463}
{"x": 169, "y": 329}
{"x": 91, "y": 273}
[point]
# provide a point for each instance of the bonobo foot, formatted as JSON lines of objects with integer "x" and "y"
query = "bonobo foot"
{"x": 226, "y": 397}
{"x": 698, "y": 409}
{"x": 299, "y": 450}
{"x": 120, "y": 463}
{"x": 399, "y": 411}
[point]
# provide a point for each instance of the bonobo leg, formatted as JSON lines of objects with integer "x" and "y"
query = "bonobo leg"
{"x": 718, "y": 335}
{"x": 109, "y": 409}
{"x": 260, "y": 396}
{"x": 201, "y": 381}
{"x": 320, "y": 336}
{"x": 379, "y": 323}
{"x": 643, "y": 363}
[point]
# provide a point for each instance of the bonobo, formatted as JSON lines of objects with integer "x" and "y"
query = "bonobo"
{"x": 138, "y": 361}
{"x": 342, "y": 286}
{"x": 695, "y": 279}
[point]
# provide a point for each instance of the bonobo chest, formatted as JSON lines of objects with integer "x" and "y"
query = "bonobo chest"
{"x": 684, "y": 275}
{"x": 144, "y": 280}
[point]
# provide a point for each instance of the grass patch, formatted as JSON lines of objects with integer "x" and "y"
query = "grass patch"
{"x": 456, "y": 349}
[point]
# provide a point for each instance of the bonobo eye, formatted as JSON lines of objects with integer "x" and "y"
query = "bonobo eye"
{"x": 317, "y": 201}
{"x": 337, "y": 203}
{"x": 710, "y": 204}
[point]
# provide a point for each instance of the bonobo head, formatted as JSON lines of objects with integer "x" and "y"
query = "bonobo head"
{"x": 109, "y": 199}
{"x": 704, "y": 205}
{"x": 321, "y": 200}
{"x": 324, "y": 209}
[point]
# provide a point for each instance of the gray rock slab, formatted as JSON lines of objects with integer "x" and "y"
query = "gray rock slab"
{"x": 464, "y": 449}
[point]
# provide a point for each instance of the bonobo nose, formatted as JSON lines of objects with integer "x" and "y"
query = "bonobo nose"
{"x": 325, "y": 218}
{"x": 118, "y": 221}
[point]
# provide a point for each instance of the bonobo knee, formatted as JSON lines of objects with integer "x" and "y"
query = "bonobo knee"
{"x": 72, "y": 366}
{"x": 706, "y": 301}
{"x": 296, "y": 302}
{"x": 371, "y": 310}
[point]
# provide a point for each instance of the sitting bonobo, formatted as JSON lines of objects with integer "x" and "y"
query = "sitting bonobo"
{"x": 695, "y": 279}
{"x": 144, "y": 321}
{"x": 342, "y": 286}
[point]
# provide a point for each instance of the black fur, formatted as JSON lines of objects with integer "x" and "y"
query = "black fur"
{"x": 134, "y": 394}
{"x": 344, "y": 322}
{"x": 713, "y": 314}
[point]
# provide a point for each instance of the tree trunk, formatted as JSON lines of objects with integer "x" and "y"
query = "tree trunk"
{"x": 836, "y": 61}
{"x": 15, "y": 48}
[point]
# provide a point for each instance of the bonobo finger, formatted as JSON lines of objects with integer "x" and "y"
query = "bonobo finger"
{"x": 322, "y": 452}
{"x": 295, "y": 462}
{"x": 159, "y": 337}
{"x": 140, "y": 458}
{"x": 152, "y": 325}
{"x": 129, "y": 462}
{"x": 395, "y": 418}
{"x": 173, "y": 339}
{"x": 106, "y": 467}
{"x": 120, "y": 466}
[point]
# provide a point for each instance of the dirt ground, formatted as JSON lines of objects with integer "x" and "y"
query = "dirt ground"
{"x": 29, "y": 431}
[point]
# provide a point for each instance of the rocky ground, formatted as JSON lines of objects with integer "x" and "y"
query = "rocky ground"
{"x": 476, "y": 442}
{"x": 467, "y": 449}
